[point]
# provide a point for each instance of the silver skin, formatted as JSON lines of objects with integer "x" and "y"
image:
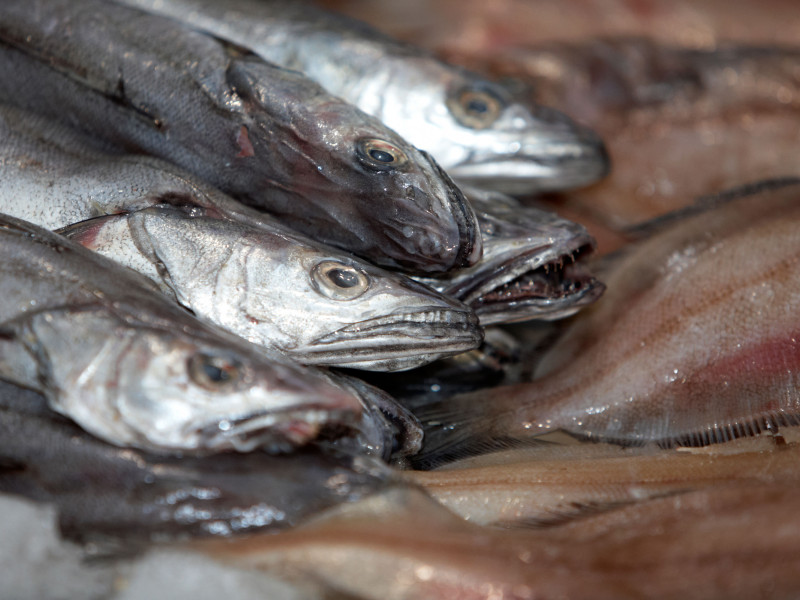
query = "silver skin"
{"x": 531, "y": 266}
{"x": 232, "y": 265}
{"x": 472, "y": 126}
{"x": 279, "y": 290}
{"x": 134, "y": 369}
{"x": 262, "y": 133}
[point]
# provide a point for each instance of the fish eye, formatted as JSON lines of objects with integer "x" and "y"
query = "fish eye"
{"x": 339, "y": 281}
{"x": 380, "y": 155}
{"x": 214, "y": 371}
{"x": 475, "y": 108}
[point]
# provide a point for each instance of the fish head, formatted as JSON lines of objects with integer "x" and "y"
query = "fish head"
{"x": 334, "y": 309}
{"x": 373, "y": 192}
{"x": 176, "y": 395}
{"x": 532, "y": 267}
{"x": 482, "y": 135}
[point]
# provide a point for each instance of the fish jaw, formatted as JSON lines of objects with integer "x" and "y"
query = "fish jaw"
{"x": 399, "y": 341}
{"x": 546, "y": 159}
{"x": 532, "y": 265}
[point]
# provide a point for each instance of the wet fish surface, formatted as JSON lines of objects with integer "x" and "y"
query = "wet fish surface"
{"x": 401, "y": 545}
{"x": 531, "y": 267}
{"x": 117, "y": 497}
{"x": 262, "y": 133}
{"x": 694, "y": 343}
{"x": 233, "y": 265}
{"x": 551, "y": 484}
{"x": 135, "y": 369}
{"x": 473, "y": 127}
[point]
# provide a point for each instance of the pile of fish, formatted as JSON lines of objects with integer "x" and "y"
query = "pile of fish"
{"x": 270, "y": 317}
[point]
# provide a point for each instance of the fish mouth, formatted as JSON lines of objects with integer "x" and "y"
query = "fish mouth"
{"x": 400, "y": 340}
{"x": 274, "y": 431}
{"x": 550, "y": 284}
{"x": 542, "y": 168}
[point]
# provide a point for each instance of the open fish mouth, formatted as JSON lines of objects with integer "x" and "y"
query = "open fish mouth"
{"x": 275, "y": 431}
{"x": 535, "y": 285}
{"x": 401, "y": 340}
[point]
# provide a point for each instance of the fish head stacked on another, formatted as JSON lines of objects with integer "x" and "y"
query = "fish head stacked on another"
{"x": 135, "y": 369}
{"x": 282, "y": 290}
{"x": 395, "y": 203}
{"x": 532, "y": 265}
{"x": 473, "y": 127}
{"x": 263, "y": 133}
{"x": 483, "y": 135}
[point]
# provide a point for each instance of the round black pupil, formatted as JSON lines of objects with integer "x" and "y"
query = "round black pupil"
{"x": 381, "y": 156}
{"x": 477, "y": 106}
{"x": 342, "y": 278}
{"x": 215, "y": 373}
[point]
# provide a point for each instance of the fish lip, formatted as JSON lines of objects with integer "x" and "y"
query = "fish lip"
{"x": 503, "y": 271}
{"x": 470, "y": 248}
{"x": 400, "y": 334}
{"x": 273, "y": 430}
{"x": 575, "y": 164}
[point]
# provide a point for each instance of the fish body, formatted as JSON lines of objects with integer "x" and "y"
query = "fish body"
{"x": 695, "y": 343}
{"x": 550, "y": 484}
{"x": 399, "y": 545}
{"x": 122, "y": 497}
{"x": 531, "y": 266}
{"x": 262, "y": 133}
{"x": 473, "y": 127}
{"x": 135, "y": 369}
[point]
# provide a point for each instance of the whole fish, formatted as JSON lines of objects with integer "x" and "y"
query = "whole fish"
{"x": 262, "y": 133}
{"x": 531, "y": 266}
{"x": 400, "y": 545}
{"x": 233, "y": 265}
{"x": 121, "y": 498}
{"x": 129, "y": 366}
{"x": 473, "y": 127}
{"x": 694, "y": 343}
{"x": 549, "y": 484}
{"x": 678, "y": 122}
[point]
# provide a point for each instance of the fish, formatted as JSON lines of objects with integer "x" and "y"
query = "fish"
{"x": 531, "y": 268}
{"x": 476, "y": 129}
{"x": 729, "y": 112}
{"x": 123, "y": 499}
{"x": 694, "y": 343}
{"x": 261, "y": 133}
{"x": 400, "y": 544}
{"x": 134, "y": 369}
{"x": 279, "y": 290}
{"x": 551, "y": 484}
{"x": 238, "y": 267}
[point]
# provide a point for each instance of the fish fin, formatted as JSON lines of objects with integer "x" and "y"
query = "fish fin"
{"x": 770, "y": 422}
{"x": 706, "y": 203}
{"x": 85, "y": 232}
{"x": 574, "y": 511}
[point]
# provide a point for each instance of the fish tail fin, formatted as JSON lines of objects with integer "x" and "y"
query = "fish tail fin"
{"x": 462, "y": 426}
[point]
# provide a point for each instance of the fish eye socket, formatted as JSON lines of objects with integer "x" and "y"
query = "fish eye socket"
{"x": 214, "y": 372}
{"x": 339, "y": 281}
{"x": 475, "y": 108}
{"x": 380, "y": 155}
